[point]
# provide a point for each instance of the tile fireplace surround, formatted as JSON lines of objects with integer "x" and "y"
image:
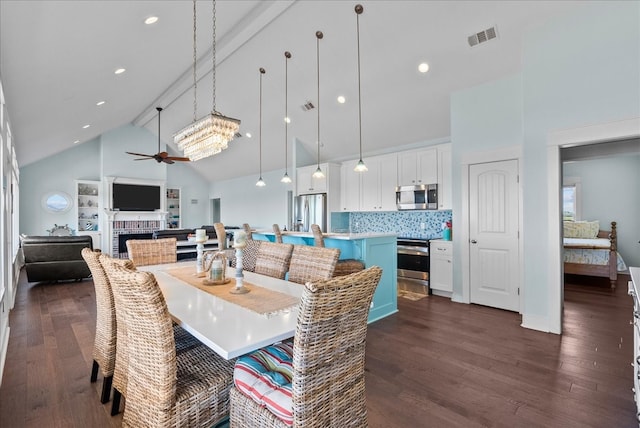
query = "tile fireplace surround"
{"x": 119, "y": 223}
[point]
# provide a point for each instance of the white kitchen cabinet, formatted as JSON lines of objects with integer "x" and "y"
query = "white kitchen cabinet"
{"x": 372, "y": 190}
{"x": 349, "y": 187}
{"x": 444, "y": 177}
{"x": 378, "y": 184}
{"x": 306, "y": 183}
{"x": 441, "y": 267}
{"x": 417, "y": 167}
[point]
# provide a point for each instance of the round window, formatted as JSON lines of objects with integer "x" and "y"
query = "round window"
{"x": 56, "y": 202}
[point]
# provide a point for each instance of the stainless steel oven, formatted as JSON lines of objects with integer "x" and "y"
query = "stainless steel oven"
{"x": 413, "y": 260}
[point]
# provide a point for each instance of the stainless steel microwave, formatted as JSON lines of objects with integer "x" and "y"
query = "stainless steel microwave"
{"x": 421, "y": 197}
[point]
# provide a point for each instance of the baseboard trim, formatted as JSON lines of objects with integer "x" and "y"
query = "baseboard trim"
{"x": 536, "y": 322}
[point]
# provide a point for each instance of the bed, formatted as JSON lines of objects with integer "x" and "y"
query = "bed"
{"x": 591, "y": 251}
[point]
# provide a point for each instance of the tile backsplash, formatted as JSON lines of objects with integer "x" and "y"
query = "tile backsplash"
{"x": 410, "y": 224}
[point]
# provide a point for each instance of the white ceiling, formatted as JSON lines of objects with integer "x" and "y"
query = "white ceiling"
{"x": 58, "y": 59}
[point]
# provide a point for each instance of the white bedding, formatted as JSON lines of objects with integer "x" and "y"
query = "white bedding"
{"x": 590, "y": 243}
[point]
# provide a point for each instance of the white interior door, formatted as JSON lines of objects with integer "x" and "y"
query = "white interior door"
{"x": 493, "y": 234}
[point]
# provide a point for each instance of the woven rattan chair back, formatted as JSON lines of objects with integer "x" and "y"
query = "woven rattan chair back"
{"x": 167, "y": 386}
{"x": 104, "y": 346}
{"x": 221, "y": 235}
{"x": 277, "y": 233}
{"x": 328, "y": 384}
{"x": 312, "y": 263}
{"x": 152, "y": 251}
{"x": 273, "y": 259}
{"x": 247, "y": 230}
{"x": 318, "y": 239}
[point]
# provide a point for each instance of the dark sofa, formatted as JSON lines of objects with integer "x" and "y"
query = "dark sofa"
{"x": 55, "y": 258}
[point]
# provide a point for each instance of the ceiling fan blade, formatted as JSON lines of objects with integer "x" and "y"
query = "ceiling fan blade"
{"x": 163, "y": 154}
{"x": 143, "y": 159}
{"x": 179, "y": 159}
{"x": 139, "y": 154}
{"x": 167, "y": 160}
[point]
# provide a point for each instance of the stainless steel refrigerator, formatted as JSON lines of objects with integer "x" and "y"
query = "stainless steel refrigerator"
{"x": 308, "y": 210}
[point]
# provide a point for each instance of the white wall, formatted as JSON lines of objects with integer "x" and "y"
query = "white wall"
{"x": 578, "y": 70}
{"x": 242, "y": 202}
{"x": 609, "y": 193}
{"x": 56, "y": 173}
{"x": 93, "y": 160}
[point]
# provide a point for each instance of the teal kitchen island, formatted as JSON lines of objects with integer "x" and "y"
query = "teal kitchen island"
{"x": 374, "y": 249}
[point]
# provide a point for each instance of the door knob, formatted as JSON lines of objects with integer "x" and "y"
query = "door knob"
{"x": 473, "y": 241}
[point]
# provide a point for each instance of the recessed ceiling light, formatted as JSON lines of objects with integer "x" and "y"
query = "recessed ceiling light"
{"x": 287, "y": 119}
{"x": 120, "y": 71}
{"x": 99, "y": 103}
{"x": 151, "y": 20}
{"x": 76, "y": 142}
{"x": 248, "y": 134}
{"x": 341, "y": 99}
{"x": 423, "y": 68}
{"x": 86, "y": 126}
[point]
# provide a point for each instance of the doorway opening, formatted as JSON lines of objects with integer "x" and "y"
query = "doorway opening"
{"x": 215, "y": 210}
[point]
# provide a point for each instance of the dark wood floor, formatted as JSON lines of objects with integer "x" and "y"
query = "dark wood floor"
{"x": 434, "y": 364}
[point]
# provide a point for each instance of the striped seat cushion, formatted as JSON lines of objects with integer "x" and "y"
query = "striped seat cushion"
{"x": 265, "y": 376}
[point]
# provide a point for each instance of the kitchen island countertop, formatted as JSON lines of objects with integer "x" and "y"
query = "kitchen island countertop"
{"x": 333, "y": 235}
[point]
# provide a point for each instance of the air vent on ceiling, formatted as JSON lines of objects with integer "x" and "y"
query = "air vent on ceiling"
{"x": 307, "y": 106}
{"x": 482, "y": 36}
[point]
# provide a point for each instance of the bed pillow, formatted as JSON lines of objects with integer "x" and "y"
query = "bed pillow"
{"x": 581, "y": 229}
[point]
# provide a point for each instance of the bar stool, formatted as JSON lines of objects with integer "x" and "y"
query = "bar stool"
{"x": 343, "y": 267}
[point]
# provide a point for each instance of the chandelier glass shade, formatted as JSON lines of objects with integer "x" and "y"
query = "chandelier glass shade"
{"x": 211, "y": 134}
{"x": 207, "y": 136}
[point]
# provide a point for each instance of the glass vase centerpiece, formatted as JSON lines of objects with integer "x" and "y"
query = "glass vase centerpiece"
{"x": 239, "y": 243}
{"x": 215, "y": 265}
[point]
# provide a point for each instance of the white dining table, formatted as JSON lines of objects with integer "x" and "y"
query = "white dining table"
{"x": 227, "y": 328}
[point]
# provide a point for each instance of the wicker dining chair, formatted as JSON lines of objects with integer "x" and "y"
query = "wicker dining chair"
{"x": 167, "y": 386}
{"x": 152, "y": 251}
{"x": 221, "y": 235}
{"x": 183, "y": 339}
{"x": 247, "y": 229}
{"x": 277, "y": 233}
{"x": 343, "y": 267}
{"x": 249, "y": 255}
{"x": 312, "y": 263}
{"x": 326, "y": 370}
{"x": 273, "y": 259}
{"x": 104, "y": 346}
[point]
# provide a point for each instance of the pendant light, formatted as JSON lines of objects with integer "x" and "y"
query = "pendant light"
{"x": 360, "y": 167}
{"x": 211, "y": 134}
{"x": 260, "y": 182}
{"x": 286, "y": 179}
{"x": 318, "y": 173}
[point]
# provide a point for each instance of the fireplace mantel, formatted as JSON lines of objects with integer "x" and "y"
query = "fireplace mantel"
{"x": 135, "y": 215}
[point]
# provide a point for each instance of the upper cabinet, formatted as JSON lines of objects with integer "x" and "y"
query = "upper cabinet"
{"x": 173, "y": 208}
{"x": 417, "y": 167}
{"x": 350, "y": 187}
{"x": 306, "y": 183}
{"x": 444, "y": 177}
{"x": 378, "y": 185}
{"x": 373, "y": 190}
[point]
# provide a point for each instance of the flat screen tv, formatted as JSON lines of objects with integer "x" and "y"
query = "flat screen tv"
{"x": 135, "y": 197}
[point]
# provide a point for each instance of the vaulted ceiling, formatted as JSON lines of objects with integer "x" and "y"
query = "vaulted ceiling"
{"x": 58, "y": 60}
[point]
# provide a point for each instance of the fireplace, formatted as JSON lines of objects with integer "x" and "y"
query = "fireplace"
{"x": 124, "y": 237}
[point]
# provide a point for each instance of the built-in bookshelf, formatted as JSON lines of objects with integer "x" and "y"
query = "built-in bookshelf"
{"x": 173, "y": 208}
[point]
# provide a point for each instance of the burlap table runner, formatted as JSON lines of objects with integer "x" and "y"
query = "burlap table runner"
{"x": 260, "y": 299}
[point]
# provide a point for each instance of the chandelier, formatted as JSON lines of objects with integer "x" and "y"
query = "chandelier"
{"x": 211, "y": 134}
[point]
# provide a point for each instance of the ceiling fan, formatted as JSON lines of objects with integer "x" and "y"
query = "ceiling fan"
{"x": 160, "y": 156}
